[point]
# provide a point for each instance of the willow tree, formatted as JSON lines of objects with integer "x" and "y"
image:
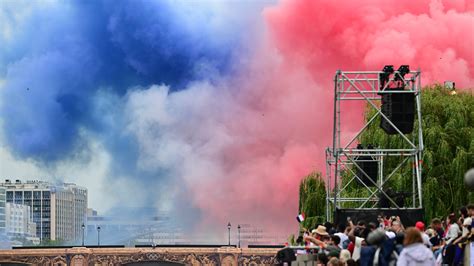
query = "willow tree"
{"x": 448, "y": 133}
{"x": 312, "y": 200}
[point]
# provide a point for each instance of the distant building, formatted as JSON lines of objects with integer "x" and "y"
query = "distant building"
{"x": 19, "y": 221}
{"x": 59, "y": 210}
{"x": 2, "y": 210}
{"x": 253, "y": 235}
{"x": 133, "y": 226}
{"x": 91, "y": 212}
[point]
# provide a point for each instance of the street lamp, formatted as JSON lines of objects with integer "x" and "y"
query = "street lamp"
{"x": 83, "y": 227}
{"x": 238, "y": 230}
{"x": 98, "y": 235}
{"x": 228, "y": 228}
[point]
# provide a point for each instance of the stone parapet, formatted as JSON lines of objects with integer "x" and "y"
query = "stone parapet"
{"x": 82, "y": 256}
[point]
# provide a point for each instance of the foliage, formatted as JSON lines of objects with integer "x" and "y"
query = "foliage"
{"x": 49, "y": 242}
{"x": 312, "y": 201}
{"x": 448, "y": 134}
{"x": 291, "y": 240}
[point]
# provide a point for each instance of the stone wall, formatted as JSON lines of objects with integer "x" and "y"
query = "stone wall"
{"x": 82, "y": 256}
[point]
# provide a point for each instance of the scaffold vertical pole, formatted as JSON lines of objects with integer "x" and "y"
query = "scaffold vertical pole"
{"x": 335, "y": 142}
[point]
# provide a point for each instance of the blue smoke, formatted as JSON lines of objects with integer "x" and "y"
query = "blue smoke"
{"x": 56, "y": 57}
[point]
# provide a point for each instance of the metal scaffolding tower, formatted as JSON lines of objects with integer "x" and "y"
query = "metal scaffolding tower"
{"x": 368, "y": 87}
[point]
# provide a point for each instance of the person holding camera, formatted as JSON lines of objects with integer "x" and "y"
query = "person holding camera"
{"x": 357, "y": 236}
{"x": 396, "y": 225}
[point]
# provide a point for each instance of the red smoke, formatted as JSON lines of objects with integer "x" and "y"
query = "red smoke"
{"x": 283, "y": 121}
{"x": 325, "y": 35}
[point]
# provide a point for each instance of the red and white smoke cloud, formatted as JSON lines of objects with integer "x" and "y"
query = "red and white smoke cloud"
{"x": 262, "y": 138}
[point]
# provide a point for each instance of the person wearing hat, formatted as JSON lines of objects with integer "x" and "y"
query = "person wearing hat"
{"x": 318, "y": 236}
{"x": 426, "y": 239}
{"x": 321, "y": 231}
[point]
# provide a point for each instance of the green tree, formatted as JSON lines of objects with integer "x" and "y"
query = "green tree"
{"x": 49, "y": 242}
{"x": 312, "y": 200}
{"x": 448, "y": 133}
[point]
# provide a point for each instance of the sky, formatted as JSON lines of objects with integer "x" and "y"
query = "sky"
{"x": 210, "y": 110}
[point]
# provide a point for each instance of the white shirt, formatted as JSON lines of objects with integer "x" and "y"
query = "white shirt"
{"x": 357, "y": 248}
{"x": 453, "y": 231}
{"x": 426, "y": 239}
{"x": 467, "y": 222}
{"x": 343, "y": 238}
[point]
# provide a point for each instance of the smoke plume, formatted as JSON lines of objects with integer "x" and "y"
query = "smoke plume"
{"x": 212, "y": 111}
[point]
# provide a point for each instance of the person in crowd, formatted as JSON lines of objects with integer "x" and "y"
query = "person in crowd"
{"x": 333, "y": 244}
{"x": 342, "y": 234}
{"x": 444, "y": 244}
{"x": 463, "y": 214}
{"x": 344, "y": 256}
{"x": 334, "y": 262}
{"x": 452, "y": 230}
{"x": 437, "y": 225}
{"x": 432, "y": 235}
{"x": 467, "y": 220}
{"x": 414, "y": 251}
{"x": 452, "y": 251}
{"x": 470, "y": 211}
{"x": 333, "y": 254}
{"x": 426, "y": 239}
{"x": 361, "y": 224}
{"x": 321, "y": 233}
{"x": 322, "y": 259}
{"x": 396, "y": 225}
{"x": 357, "y": 236}
{"x": 318, "y": 237}
{"x": 351, "y": 262}
{"x": 461, "y": 244}
{"x": 436, "y": 237}
{"x": 381, "y": 221}
{"x": 372, "y": 226}
{"x": 468, "y": 223}
{"x": 330, "y": 228}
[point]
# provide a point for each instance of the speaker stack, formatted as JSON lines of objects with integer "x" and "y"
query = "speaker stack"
{"x": 398, "y": 105}
{"x": 369, "y": 166}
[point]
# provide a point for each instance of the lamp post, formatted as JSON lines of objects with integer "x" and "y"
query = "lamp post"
{"x": 98, "y": 235}
{"x": 228, "y": 229}
{"x": 238, "y": 230}
{"x": 83, "y": 227}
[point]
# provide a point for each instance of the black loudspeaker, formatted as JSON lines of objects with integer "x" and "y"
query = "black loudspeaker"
{"x": 397, "y": 196}
{"x": 399, "y": 109}
{"x": 369, "y": 166}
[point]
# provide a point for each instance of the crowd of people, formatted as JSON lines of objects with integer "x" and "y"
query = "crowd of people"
{"x": 387, "y": 242}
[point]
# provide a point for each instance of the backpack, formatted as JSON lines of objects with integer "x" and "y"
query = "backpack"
{"x": 345, "y": 243}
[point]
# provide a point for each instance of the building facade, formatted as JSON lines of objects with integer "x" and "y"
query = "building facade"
{"x": 2, "y": 210}
{"x": 59, "y": 210}
{"x": 19, "y": 221}
{"x": 155, "y": 228}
